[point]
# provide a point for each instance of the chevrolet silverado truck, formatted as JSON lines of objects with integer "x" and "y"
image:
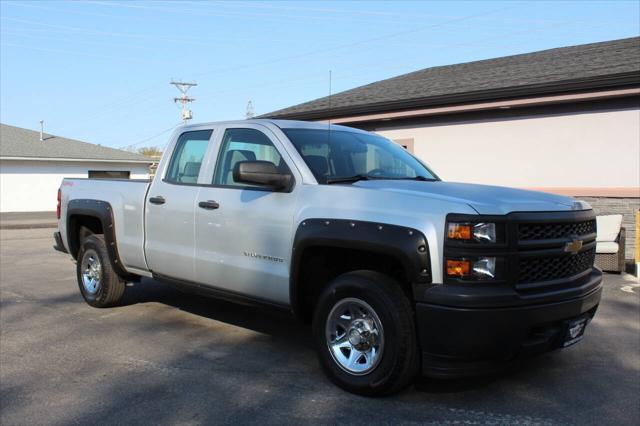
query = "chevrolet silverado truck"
{"x": 398, "y": 272}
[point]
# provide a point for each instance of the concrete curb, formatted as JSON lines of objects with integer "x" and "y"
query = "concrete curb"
{"x": 28, "y": 225}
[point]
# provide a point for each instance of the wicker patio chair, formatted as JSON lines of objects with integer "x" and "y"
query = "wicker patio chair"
{"x": 610, "y": 261}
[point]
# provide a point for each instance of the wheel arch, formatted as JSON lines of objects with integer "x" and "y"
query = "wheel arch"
{"x": 325, "y": 248}
{"x": 97, "y": 217}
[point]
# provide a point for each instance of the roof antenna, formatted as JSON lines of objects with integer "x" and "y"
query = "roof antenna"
{"x": 329, "y": 132}
{"x": 249, "y": 113}
{"x": 41, "y": 130}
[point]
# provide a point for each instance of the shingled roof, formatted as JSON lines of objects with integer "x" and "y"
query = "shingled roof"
{"x": 23, "y": 143}
{"x": 585, "y": 67}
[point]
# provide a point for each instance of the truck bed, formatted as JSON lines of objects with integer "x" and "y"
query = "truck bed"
{"x": 126, "y": 198}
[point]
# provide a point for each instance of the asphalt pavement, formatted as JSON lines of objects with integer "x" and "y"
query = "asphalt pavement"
{"x": 168, "y": 357}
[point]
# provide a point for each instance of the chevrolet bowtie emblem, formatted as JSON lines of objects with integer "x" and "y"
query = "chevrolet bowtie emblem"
{"x": 573, "y": 247}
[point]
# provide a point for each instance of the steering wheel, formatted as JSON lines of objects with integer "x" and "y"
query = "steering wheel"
{"x": 376, "y": 173}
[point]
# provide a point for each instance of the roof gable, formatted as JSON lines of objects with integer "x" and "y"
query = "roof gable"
{"x": 566, "y": 68}
{"x": 24, "y": 143}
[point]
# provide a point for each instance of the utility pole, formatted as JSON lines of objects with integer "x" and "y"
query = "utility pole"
{"x": 184, "y": 87}
{"x": 249, "y": 113}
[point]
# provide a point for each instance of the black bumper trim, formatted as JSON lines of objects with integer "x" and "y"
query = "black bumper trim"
{"x": 488, "y": 295}
{"x": 459, "y": 342}
{"x": 59, "y": 245}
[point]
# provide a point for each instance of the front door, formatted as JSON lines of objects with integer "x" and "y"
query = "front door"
{"x": 244, "y": 232}
{"x": 169, "y": 247}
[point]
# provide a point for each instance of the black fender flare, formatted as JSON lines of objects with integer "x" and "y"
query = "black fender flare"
{"x": 102, "y": 211}
{"x": 408, "y": 245}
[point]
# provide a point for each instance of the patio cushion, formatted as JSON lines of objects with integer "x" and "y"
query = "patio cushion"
{"x": 608, "y": 227}
{"x": 606, "y": 247}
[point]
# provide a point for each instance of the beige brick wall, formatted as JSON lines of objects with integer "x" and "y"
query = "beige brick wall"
{"x": 627, "y": 207}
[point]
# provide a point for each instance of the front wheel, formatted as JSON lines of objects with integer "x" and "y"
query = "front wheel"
{"x": 365, "y": 334}
{"x": 99, "y": 285}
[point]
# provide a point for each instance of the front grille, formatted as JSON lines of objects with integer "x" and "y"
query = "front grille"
{"x": 550, "y": 268}
{"x": 548, "y": 231}
{"x": 534, "y": 252}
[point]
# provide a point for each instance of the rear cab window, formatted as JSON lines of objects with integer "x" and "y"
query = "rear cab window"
{"x": 187, "y": 157}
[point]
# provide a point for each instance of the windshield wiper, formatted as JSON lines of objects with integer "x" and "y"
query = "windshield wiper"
{"x": 420, "y": 178}
{"x": 356, "y": 178}
{"x": 348, "y": 179}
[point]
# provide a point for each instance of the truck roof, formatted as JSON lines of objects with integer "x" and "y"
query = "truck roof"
{"x": 283, "y": 124}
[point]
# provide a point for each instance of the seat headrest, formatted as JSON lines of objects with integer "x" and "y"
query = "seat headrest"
{"x": 318, "y": 164}
{"x": 191, "y": 169}
{"x": 236, "y": 155}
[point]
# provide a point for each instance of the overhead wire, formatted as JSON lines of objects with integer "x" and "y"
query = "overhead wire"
{"x": 131, "y": 145}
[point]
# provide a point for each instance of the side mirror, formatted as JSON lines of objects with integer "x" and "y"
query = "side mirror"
{"x": 263, "y": 173}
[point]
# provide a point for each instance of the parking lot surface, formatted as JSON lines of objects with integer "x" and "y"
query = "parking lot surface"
{"x": 174, "y": 358}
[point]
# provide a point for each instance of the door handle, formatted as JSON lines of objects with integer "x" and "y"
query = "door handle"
{"x": 157, "y": 200}
{"x": 208, "y": 205}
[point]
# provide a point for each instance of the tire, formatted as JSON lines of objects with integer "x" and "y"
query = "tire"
{"x": 99, "y": 285}
{"x": 386, "y": 351}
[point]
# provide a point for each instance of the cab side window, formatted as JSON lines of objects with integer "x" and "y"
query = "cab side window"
{"x": 187, "y": 157}
{"x": 244, "y": 145}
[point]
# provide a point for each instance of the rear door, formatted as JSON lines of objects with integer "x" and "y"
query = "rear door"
{"x": 244, "y": 232}
{"x": 169, "y": 246}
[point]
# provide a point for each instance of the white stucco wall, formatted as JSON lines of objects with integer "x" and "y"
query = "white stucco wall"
{"x": 31, "y": 186}
{"x": 585, "y": 150}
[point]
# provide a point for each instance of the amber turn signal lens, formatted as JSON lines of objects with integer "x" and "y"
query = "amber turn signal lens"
{"x": 458, "y": 231}
{"x": 458, "y": 268}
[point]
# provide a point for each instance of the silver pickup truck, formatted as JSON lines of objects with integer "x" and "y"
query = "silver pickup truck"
{"x": 397, "y": 271}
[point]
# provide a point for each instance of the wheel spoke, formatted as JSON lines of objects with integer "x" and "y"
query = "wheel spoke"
{"x": 343, "y": 321}
{"x": 367, "y": 359}
{"x": 354, "y": 356}
{"x": 362, "y": 312}
{"x": 341, "y": 343}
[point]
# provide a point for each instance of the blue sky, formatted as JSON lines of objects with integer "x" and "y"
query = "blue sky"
{"x": 99, "y": 71}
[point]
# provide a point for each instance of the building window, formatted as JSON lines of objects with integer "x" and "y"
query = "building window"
{"x": 406, "y": 144}
{"x": 109, "y": 174}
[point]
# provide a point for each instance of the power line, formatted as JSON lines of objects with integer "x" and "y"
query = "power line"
{"x": 309, "y": 53}
{"x": 130, "y": 146}
{"x": 114, "y": 104}
{"x": 338, "y": 14}
{"x": 69, "y": 52}
{"x": 273, "y": 17}
{"x": 345, "y": 12}
{"x": 360, "y": 42}
{"x": 195, "y": 41}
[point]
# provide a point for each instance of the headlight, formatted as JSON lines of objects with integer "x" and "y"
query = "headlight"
{"x": 485, "y": 268}
{"x": 481, "y": 268}
{"x": 480, "y": 232}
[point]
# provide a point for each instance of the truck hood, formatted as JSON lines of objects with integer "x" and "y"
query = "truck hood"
{"x": 484, "y": 199}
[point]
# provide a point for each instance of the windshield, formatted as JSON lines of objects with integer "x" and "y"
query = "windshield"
{"x": 337, "y": 156}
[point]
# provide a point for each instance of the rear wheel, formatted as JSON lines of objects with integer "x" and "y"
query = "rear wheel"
{"x": 99, "y": 285}
{"x": 365, "y": 334}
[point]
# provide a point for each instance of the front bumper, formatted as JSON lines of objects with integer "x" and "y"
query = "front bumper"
{"x": 461, "y": 341}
